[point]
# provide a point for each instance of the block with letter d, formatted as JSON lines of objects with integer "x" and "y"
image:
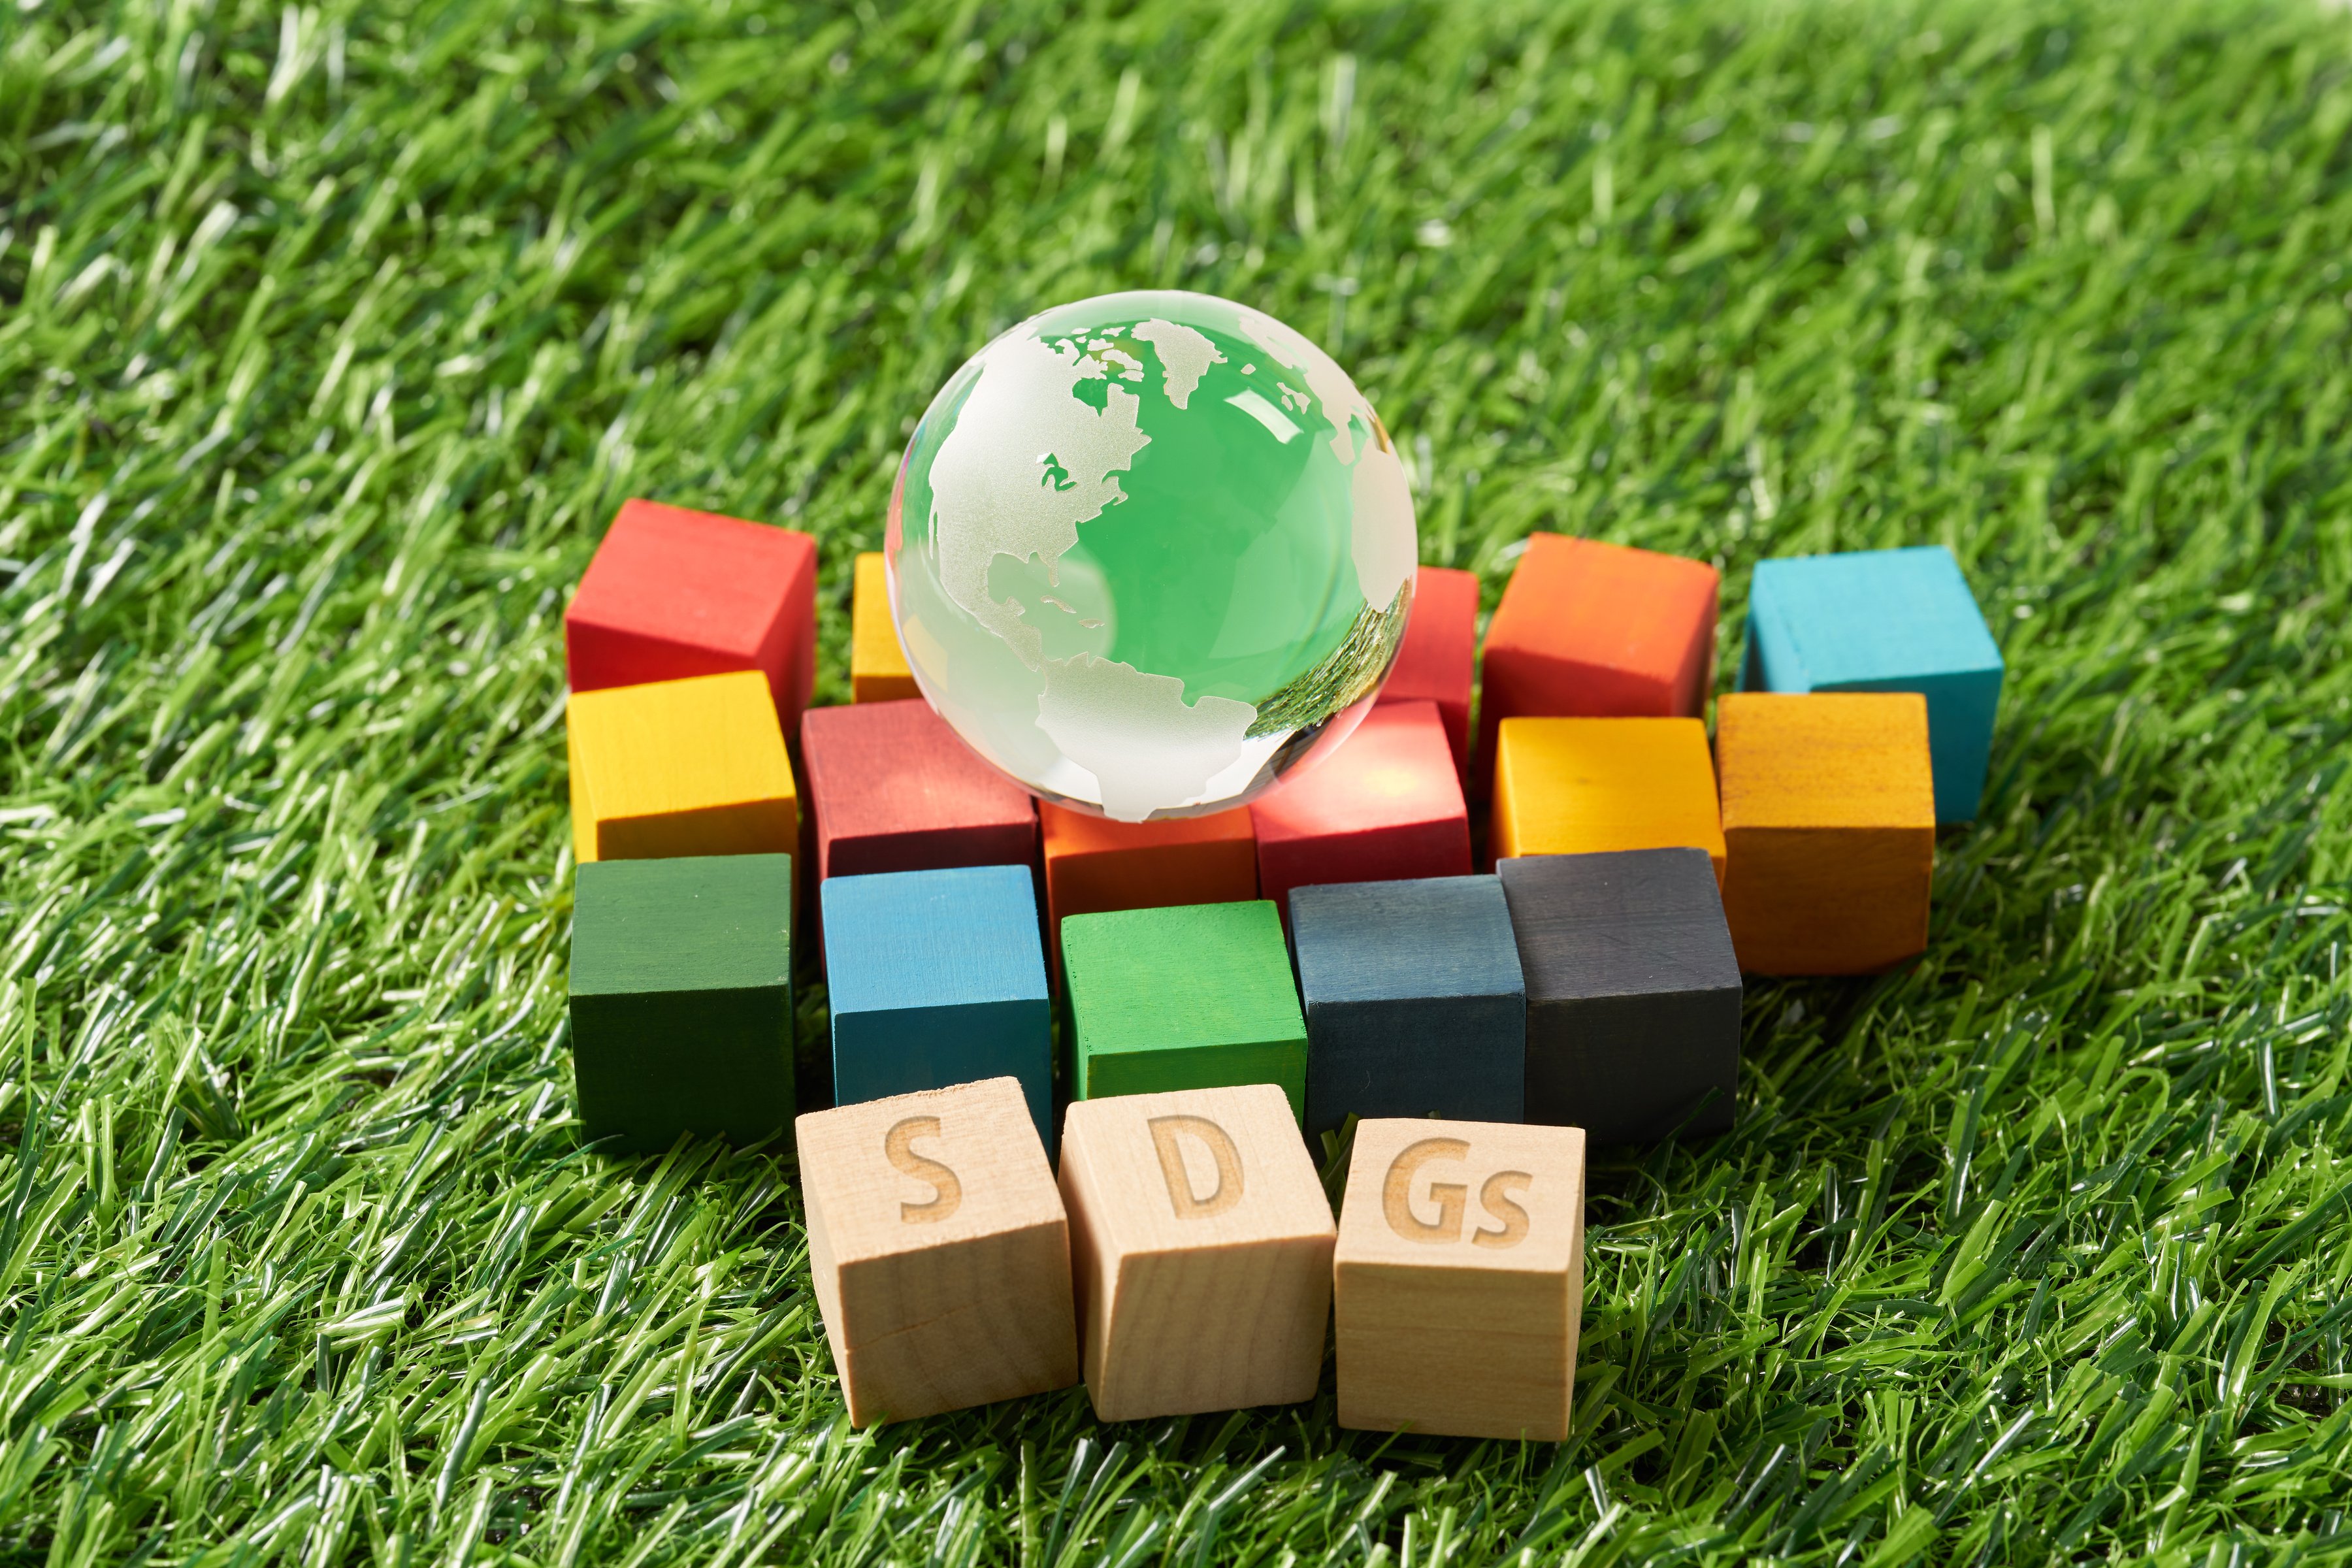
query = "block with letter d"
{"x": 1459, "y": 1279}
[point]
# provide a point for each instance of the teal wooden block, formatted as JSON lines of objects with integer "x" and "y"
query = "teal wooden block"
{"x": 1885, "y": 620}
{"x": 682, "y": 999}
{"x": 1197, "y": 996}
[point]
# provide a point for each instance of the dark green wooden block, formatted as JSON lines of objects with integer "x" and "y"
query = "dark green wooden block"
{"x": 682, "y": 999}
{"x": 1199, "y": 996}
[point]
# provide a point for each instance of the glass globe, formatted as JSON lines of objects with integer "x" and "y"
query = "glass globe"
{"x": 1150, "y": 551}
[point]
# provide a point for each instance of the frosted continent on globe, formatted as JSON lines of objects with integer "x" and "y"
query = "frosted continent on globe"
{"x": 1150, "y": 551}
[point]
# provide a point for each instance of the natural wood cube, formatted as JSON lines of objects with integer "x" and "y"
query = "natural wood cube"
{"x": 891, "y": 788}
{"x": 681, "y": 999}
{"x": 1580, "y": 787}
{"x": 1200, "y": 1243}
{"x": 1459, "y": 1279}
{"x": 877, "y": 665}
{"x": 1386, "y": 806}
{"x": 1093, "y": 865}
{"x": 672, "y": 593}
{"x": 1438, "y": 660}
{"x": 679, "y": 767}
{"x": 1593, "y": 630}
{"x": 939, "y": 1251}
{"x": 1829, "y": 829}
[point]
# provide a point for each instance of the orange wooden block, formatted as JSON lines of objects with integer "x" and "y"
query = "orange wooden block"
{"x": 1094, "y": 866}
{"x": 877, "y": 665}
{"x": 1593, "y": 630}
{"x": 1580, "y": 787}
{"x": 1829, "y": 827}
{"x": 680, "y": 767}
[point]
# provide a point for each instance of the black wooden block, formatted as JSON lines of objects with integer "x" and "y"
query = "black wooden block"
{"x": 1632, "y": 992}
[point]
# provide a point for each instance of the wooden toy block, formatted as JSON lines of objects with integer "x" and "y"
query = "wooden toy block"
{"x": 1094, "y": 866}
{"x": 1414, "y": 1001}
{"x": 1191, "y": 997}
{"x": 892, "y": 789}
{"x": 939, "y": 1251}
{"x": 877, "y": 665}
{"x": 679, "y": 767}
{"x": 1593, "y": 630}
{"x": 938, "y": 978}
{"x": 1439, "y": 656}
{"x": 672, "y": 593}
{"x": 1885, "y": 620}
{"x": 1633, "y": 993}
{"x": 1829, "y": 829}
{"x": 681, "y": 999}
{"x": 1386, "y": 806}
{"x": 1577, "y": 786}
{"x": 1201, "y": 1246}
{"x": 1458, "y": 1281}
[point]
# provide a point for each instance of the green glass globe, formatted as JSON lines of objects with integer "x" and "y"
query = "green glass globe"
{"x": 1150, "y": 552}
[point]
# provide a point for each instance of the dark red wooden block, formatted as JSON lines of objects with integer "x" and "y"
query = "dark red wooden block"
{"x": 891, "y": 788}
{"x": 1387, "y": 806}
{"x": 1439, "y": 654}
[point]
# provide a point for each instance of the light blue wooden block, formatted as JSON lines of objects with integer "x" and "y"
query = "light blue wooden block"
{"x": 938, "y": 978}
{"x": 1885, "y": 620}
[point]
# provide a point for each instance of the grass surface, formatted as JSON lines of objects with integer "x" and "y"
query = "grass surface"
{"x": 330, "y": 335}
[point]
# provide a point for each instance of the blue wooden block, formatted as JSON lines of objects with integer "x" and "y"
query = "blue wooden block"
{"x": 1885, "y": 620}
{"x": 938, "y": 978}
{"x": 1414, "y": 1001}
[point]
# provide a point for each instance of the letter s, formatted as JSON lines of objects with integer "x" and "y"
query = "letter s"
{"x": 1396, "y": 1193}
{"x": 1495, "y": 1195}
{"x": 947, "y": 1192}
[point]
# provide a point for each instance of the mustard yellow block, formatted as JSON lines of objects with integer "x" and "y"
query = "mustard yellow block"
{"x": 680, "y": 767}
{"x": 878, "y": 666}
{"x": 1580, "y": 787}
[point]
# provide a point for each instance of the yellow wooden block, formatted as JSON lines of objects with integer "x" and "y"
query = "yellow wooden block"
{"x": 1581, "y": 786}
{"x": 680, "y": 767}
{"x": 877, "y": 665}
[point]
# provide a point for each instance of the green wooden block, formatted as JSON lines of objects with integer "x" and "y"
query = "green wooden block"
{"x": 682, "y": 999}
{"x": 1199, "y": 996}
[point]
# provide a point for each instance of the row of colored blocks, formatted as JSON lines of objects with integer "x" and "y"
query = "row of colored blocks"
{"x": 1186, "y": 1261}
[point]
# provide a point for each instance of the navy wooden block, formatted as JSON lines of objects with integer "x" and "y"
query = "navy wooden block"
{"x": 938, "y": 978}
{"x": 1632, "y": 992}
{"x": 1414, "y": 1001}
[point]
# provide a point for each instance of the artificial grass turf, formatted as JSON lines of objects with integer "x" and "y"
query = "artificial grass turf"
{"x": 330, "y": 336}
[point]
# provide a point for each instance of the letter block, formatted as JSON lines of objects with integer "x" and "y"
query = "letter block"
{"x": 891, "y": 788}
{"x": 1459, "y": 1279}
{"x": 936, "y": 978}
{"x": 681, "y": 999}
{"x": 939, "y": 1250}
{"x": 877, "y": 665}
{"x": 1414, "y": 1001}
{"x": 672, "y": 593}
{"x": 1438, "y": 660}
{"x": 1593, "y": 630}
{"x": 1633, "y": 993}
{"x": 679, "y": 767}
{"x": 1093, "y": 865}
{"x": 1885, "y": 620}
{"x": 1828, "y": 828}
{"x": 1580, "y": 787}
{"x": 1200, "y": 1241}
{"x": 1386, "y": 806}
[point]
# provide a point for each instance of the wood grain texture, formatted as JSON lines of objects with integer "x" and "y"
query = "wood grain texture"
{"x": 1885, "y": 620}
{"x": 1633, "y": 993}
{"x": 681, "y": 999}
{"x": 1201, "y": 1248}
{"x": 1438, "y": 660}
{"x": 1829, "y": 826}
{"x": 937, "y": 978}
{"x": 877, "y": 665}
{"x": 939, "y": 1251}
{"x": 1386, "y": 804}
{"x": 1593, "y": 630}
{"x": 679, "y": 767}
{"x": 891, "y": 788}
{"x": 1580, "y": 787}
{"x": 1413, "y": 998}
{"x": 1196, "y": 996}
{"x": 672, "y": 593}
{"x": 1459, "y": 1279}
{"x": 1093, "y": 865}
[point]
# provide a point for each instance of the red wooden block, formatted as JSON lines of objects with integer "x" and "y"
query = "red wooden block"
{"x": 1385, "y": 806}
{"x": 672, "y": 593}
{"x": 891, "y": 788}
{"x": 1598, "y": 631}
{"x": 1439, "y": 654}
{"x": 1094, "y": 866}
